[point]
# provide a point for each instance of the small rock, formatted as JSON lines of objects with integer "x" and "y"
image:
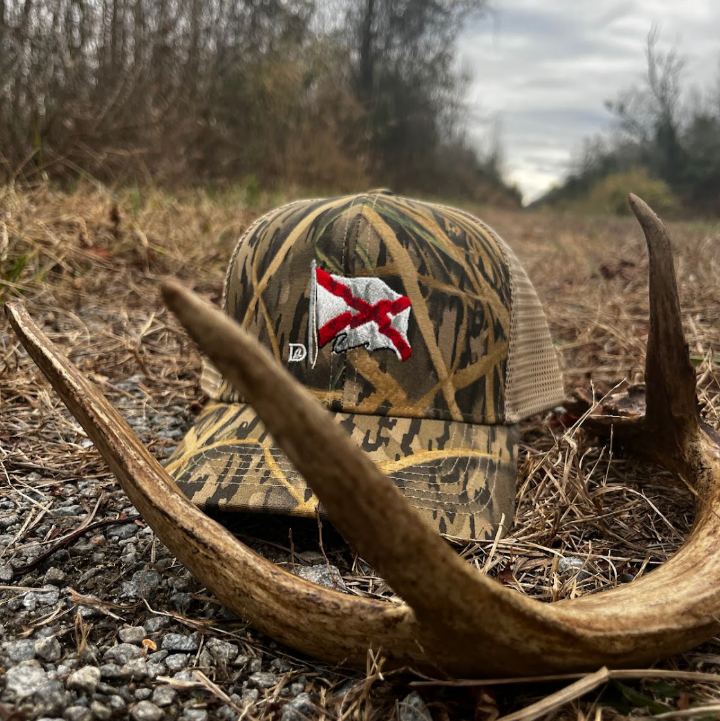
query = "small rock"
{"x": 263, "y": 679}
{"x": 72, "y": 509}
{"x": 51, "y": 697}
{"x": 133, "y": 634}
{"x": 184, "y": 675}
{"x": 205, "y": 659}
{"x": 144, "y": 584}
{"x": 178, "y": 642}
{"x": 117, "y": 703}
{"x": 156, "y": 623}
{"x": 142, "y": 693}
{"x": 255, "y": 665}
{"x": 19, "y": 651}
{"x": 181, "y": 601}
{"x": 299, "y": 709}
{"x": 296, "y": 688}
{"x": 110, "y": 670}
{"x": 25, "y": 679}
{"x": 222, "y": 650}
{"x": 77, "y": 713}
{"x": 226, "y": 713}
{"x": 570, "y": 564}
{"x": 89, "y": 654}
{"x": 195, "y": 714}
{"x": 48, "y": 596}
{"x": 136, "y": 668}
{"x": 48, "y": 649}
{"x": 163, "y": 696}
{"x": 88, "y": 611}
{"x": 85, "y": 679}
{"x": 6, "y": 572}
{"x": 177, "y": 661}
{"x": 123, "y": 652}
{"x": 122, "y": 531}
{"x": 280, "y": 665}
{"x": 413, "y": 708}
{"x": 100, "y": 711}
{"x": 7, "y": 521}
{"x": 324, "y": 575}
{"x": 156, "y": 669}
{"x": 241, "y": 660}
{"x": 250, "y": 696}
{"x": 146, "y": 711}
{"x": 54, "y": 577}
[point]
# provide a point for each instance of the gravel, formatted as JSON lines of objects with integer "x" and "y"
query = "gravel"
{"x": 48, "y": 649}
{"x": 177, "y": 661}
{"x": 54, "y": 577}
{"x": 413, "y": 708}
{"x": 195, "y": 714}
{"x": 78, "y": 642}
{"x": 25, "y": 679}
{"x": 85, "y": 679}
{"x": 222, "y": 650}
{"x": 136, "y": 668}
{"x": 123, "y": 652}
{"x": 299, "y": 709}
{"x": 132, "y": 634}
{"x": 324, "y": 574}
{"x": 18, "y": 651}
{"x": 163, "y": 696}
{"x": 178, "y": 642}
{"x": 100, "y": 711}
{"x": 263, "y": 679}
{"x": 146, "y": 711}
{"x": 77, "y": 713}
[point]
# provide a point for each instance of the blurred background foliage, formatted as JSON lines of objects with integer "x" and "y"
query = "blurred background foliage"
{"x": 664, "y": 145}
{"x": 327, "y": 94}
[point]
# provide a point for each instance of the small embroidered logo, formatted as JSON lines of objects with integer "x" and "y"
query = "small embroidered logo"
{"x": 356, "y": 312}
{"x": 298, "y": 352}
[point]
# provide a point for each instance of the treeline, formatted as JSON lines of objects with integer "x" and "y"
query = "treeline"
{"x": 317, "y": 93}
{"x": 664, "y": 143}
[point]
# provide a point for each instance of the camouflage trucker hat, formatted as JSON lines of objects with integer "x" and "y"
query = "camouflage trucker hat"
{"x": 415, "y": 325}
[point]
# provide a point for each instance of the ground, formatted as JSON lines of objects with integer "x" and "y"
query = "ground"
{"x": 98, "y": 621}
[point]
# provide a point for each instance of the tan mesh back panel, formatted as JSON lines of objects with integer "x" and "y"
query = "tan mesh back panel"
{"x": 533, "y": 379}
{"x": 533, "y": 382}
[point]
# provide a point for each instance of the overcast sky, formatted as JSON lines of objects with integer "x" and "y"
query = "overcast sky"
{"x": 544, "y": 69}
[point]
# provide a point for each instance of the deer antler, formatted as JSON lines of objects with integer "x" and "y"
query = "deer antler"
{"x": 454, "y": 618}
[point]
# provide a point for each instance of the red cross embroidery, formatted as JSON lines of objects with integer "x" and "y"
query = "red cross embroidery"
{"x": 379, "y": 312}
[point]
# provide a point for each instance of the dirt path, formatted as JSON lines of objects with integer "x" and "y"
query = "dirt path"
{"x": 97, "y": 621}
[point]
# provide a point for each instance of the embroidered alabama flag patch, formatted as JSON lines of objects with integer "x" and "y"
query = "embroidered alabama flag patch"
{"x": 356, "y": 312}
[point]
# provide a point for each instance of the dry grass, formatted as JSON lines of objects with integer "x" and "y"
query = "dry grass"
{"x": 87, "y": 264}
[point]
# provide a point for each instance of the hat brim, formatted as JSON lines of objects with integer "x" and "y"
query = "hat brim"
{"x": 459, "y": 476}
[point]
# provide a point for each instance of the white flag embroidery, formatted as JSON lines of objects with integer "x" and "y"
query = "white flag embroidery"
{"x": 356, "y": 312}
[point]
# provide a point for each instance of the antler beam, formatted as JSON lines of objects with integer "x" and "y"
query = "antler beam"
{"x": 454, "y": 618}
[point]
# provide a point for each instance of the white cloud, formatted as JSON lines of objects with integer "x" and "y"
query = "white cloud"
{"x": 545, "y": 69}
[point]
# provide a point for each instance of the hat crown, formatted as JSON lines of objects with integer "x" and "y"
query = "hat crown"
{"x": 388, "y": 306}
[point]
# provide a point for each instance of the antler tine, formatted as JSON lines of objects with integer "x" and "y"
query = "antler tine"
{"x": 364, "y": 503}
{"x": 468, "y": 614}
{"x": 461, "y": 621}
{"x": 286, "y": 607}
{"x": 669, "y": 375}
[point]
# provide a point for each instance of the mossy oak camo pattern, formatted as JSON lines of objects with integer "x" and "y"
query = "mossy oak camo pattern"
{"x": 433, "y": 422}
{"x": 460, "y": 477}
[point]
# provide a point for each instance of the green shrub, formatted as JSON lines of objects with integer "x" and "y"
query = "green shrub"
{"x": 609, "y": 195}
